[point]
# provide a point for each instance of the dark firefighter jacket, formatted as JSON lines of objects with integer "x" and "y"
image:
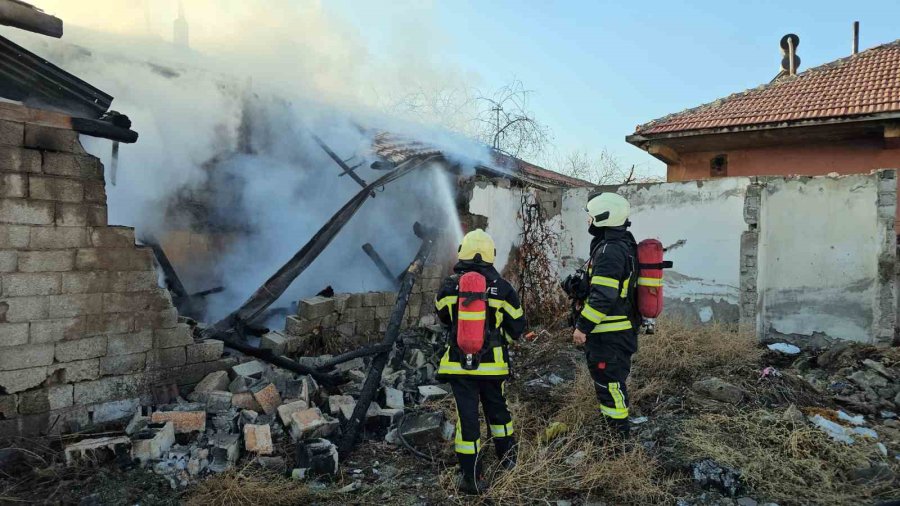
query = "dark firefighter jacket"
{"x": 609, "y": 309}
{"x": 505, "y": 322}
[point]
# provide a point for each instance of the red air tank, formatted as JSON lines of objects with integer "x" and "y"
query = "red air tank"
{"x": 472, "y": 313}
{"x": 650, "y": 277}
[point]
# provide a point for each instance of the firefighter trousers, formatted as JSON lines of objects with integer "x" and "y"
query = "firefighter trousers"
{"x": 468, "y": 392}
{"x": 609, "y": 364}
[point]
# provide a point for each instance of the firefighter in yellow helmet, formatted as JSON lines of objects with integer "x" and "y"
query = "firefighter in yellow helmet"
{"x": 608, "y": 323}
{"x": 479, "y": 376}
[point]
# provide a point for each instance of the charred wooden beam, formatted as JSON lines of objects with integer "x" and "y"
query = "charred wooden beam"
{"x": 327, "y": 379}
{"x": 373, "y": 377}
{"x": 350, "y": 355}
{"x": 379, "y": 262}
{"x": 28, "y": 17}
{"x": 351, "y": 171}
{"x": 173, "y": 282}
{"x": 275, "y": 286}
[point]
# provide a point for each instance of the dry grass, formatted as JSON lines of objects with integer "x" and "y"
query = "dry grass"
{"x": 787, "y": 463}
{"x": 250, "y": 486}
{"x": 621, "y": 473}
{"x": 679, "y": 350}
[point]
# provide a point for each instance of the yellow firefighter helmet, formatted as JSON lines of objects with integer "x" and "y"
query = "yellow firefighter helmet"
{"x": 477, "y": 243}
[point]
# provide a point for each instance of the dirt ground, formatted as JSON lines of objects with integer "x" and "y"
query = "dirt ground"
{"x": 753, "y": 436}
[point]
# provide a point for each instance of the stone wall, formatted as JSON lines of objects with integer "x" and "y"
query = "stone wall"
{"x": 361, "y": 314}
{"x": 85, "y": 332}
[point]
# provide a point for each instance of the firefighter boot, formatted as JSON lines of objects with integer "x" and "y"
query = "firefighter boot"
{"x": 506, "y": 451}
{"x": 470, "y": 479}
{"x": 621, "y": 428}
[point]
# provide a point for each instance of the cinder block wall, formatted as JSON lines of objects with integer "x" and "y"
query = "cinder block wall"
{"x": 352, "y": 314}
{"x": 85, "y": 332}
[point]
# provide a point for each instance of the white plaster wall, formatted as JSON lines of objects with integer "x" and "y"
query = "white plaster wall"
{"x": 818, "y": 257}
{"x": 707, "y": 215}
{"x": 501, "y": 207}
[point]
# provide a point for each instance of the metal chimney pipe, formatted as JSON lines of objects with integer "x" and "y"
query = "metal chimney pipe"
{"x": 855, "y": 37}
{"x": 792, "y": 70}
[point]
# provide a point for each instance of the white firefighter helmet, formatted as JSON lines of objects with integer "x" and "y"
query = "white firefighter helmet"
{"x": 608, "y": 209}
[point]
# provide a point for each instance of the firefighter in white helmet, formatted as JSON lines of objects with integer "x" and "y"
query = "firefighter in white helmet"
{"x": 608, "y": 323}
{"x": 479, "y": 375}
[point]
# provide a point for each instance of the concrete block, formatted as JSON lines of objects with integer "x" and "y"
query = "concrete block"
{"x": 13, "y": 334}
{"x": 217, "y": 380}
{"x": 46, "y": 261}
{"x": 94, "y": 191}
{"x": 132, "y": 281}
{"x": 14, "y": 159}
{"x": 71, "y": 215}
{"x": 74, "y": 166}
{"x": 337, "y": 402}
{"x": 104, "y": 323}
{"x": 152, "y": 442}
{"x": 12, "y": 133}
{"x": 267, "y": 396}
{"x": 23, "y": 309}
{"x": 311, "y": 423}
{"x": 116, "y": 259}
{"x": 55, "y": 188}
{"x": 116, "y": 410}
{"x": 286, "y": 410}
{"x": 54, "y": 237}
{"x": 85, "y": 282}
{"x": 67, "y": 305}
{"x": 127, "y": 344}
{"x": 73, "y": 372}
{"x": 226, "y": 449}
{"x": 14, "y": 236}
{"x": 207, "y": 351}
{"x": 51, "y": 139}
{"x": 315, "y": 307}
{"x": 27, "y": 284}
{"x": 13, "y": 186}
{"x": 22, "y": 379}
{"x": 45, "y": 399}
{"x": 164, "y": 319}
{"x": 347, "y": 329}
{"x": 165, "y": 358}
{"x": 372, "y": 299}
{"x": 108, "y": 389}
{"x": 26, "y": 212}
{"x": 394, "y": 398}
{"x": 297, "y": 326}
{"x": 9, "y": 261}
{"x": 274, "y": 341}
{"x": 112, "y": 237}
{"x": 423, "y": 428}
{"x": 9, "y": 407}
{"x": 340, "y": 301}
{"x": 122, "y": 364}
{"x": 245, "y": 400}
{"x": 258, "y": 439}
{"x": 180, "y": 335}
{"x": 26, "y": 356}
{"x": 81, "y": 349}
{"x": 217, "y": 401}
{"x": 252, "y": 369}
{"x": 354, "y": 301}
{"x": 239, "y": 384}
{"x": 185, "y": 422}
{"x": 383, "y": 312}
{"x": 97, "y": 449}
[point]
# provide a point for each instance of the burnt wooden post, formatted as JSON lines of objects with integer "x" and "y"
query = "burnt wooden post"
{"x": 373, "y": 378}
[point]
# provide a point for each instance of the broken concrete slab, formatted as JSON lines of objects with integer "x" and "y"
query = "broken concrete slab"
{"x": 217, "y": 380}
{"x": 152, "y": 442}
{"x": 267, "y": 396}
{"x": 311, "y": 423}
{"x": 431, "y": 393}
{"x": 239, "y": 384}
{"x": 336, "y": 403}
{"x": 258, "y": 439}
{"x": 422, "y": 428}
{"x": 287, "y": 409}
{"x": 97, "y": 449}
{"x": 218, "y": 400}
{"x": 245, "y": 400}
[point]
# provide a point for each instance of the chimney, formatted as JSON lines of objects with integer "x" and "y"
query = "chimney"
{"x": 181, "y": 33}
{"x": 790, "y": 61}
{"x": 855, "y": 37}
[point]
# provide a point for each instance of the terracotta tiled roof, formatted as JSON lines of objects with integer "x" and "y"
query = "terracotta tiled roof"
{"x": 860, "y": 85}
{"x": 398, "y": 149}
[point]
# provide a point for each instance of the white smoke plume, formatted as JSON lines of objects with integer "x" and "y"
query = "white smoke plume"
{"x": 228, "y": 123}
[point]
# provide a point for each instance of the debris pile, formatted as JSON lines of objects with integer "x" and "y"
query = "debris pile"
{"x": 281, "y": 420}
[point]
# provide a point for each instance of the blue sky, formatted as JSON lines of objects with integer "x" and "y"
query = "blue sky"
{"x": 598, "y": 69}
